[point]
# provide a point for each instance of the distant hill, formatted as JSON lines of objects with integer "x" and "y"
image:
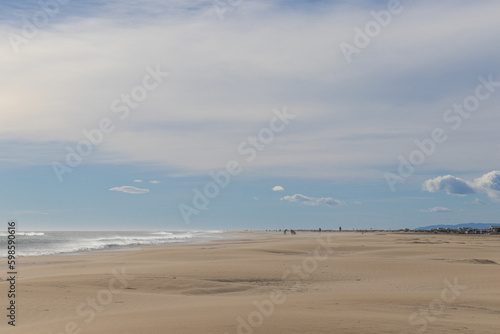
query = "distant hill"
{"x": 471, "y": 225}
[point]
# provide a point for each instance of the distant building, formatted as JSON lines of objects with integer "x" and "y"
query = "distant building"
{"x": 495, "y": 228}
{"x": 470, "y": 230}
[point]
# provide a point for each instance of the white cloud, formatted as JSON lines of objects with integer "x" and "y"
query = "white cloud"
{"x": 278, "y": 188}
{"x": 137, "y": 180}
{"x": 154, "y": 182}
{"x": 488, "y": 183}
{"x": 449, "y": 184}
{"x": 358, "y": 202}
{"x": 312, "y": 201}
{"x": 130, "y": 190}
{"x": 437, "y": 209}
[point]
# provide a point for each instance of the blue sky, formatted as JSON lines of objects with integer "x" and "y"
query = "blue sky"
{"x": 402, "y": 132}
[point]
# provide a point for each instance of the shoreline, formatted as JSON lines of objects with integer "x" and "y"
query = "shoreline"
{"x": 236, "y": 234}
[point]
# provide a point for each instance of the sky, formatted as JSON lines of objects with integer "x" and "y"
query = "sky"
{"x": 249, "y": 114}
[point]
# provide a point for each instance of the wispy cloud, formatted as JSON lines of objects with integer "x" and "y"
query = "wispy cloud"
{"x": 436, "y": 209}
{"x": 130, "y": 190}
{"x": 154, "y": 182}
{"x": 312, "y": 201}
{"x": 137, "y": 180}
{"x": 278, "y": 188}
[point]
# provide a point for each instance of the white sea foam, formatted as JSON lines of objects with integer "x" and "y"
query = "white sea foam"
{"x": 29, "y": 234}
{"x": 163, "y": 233}
{"x": 50, "y": 243}
{"x": 4, "y": 234}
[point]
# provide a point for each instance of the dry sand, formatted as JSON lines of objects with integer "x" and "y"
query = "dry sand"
{"x": 265, "y": 282}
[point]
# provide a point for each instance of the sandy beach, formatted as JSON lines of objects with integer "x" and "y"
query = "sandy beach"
{"x": 266, "y": 282}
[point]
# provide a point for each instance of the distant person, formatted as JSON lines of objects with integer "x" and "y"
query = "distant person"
{"x": 340, "y": 228}
{"x": 319, "y": 230}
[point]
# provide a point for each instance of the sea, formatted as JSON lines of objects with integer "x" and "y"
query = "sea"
{"x": 38, "y": 243}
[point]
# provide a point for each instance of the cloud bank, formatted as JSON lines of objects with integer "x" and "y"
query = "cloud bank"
{"x": 225, "y": 78}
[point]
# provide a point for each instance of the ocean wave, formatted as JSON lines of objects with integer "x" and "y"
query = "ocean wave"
{"x": 210, "y": 231}
{"x": 145, "y": 239}
{"x": 27, "y": 234}
{"x": 88, "y": 246}
{"x": 64, "y": 242}
{"x": 30, "y": 234}
{"x": 163, "y": 233}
